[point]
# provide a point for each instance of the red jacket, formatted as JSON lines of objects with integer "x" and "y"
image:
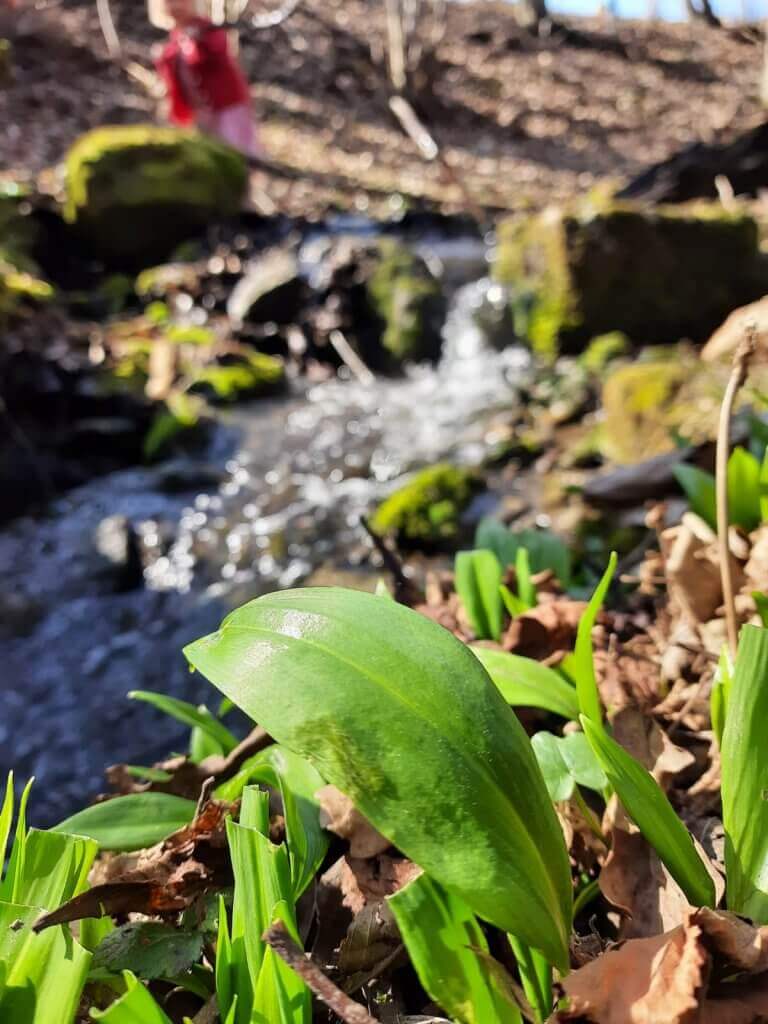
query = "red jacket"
{"x": 199, "y": 71}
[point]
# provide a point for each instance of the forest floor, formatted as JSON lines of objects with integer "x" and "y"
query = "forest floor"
{"x": 519, "y": 120}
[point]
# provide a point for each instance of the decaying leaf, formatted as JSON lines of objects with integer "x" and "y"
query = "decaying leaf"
{"x": 150, "y": 949}
{"x": 710, "y": 969}
{"x": 544, "y": 630}
{"x": 339, "y": 815}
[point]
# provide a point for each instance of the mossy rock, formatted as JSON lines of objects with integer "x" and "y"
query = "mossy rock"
{"x": 425, "y": 512}
{"x": 604, "y": 349}
{"x": 409, "y": 301}
{"x": 656, "y": 275}
{"x": 649, "y": 406}
{"x": 134, "y": 192}
{"x": 242, "y": 377}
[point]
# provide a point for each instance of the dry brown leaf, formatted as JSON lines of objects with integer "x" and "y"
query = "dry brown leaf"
{"x": 647, "y": 742}
{"x": 544, "y": 630}
{"x": 339, "y": 815}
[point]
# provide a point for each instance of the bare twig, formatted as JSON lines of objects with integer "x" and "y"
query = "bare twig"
{"x": 346, "y": 1009}
{"x": 350, "y": 358}
{"x": 108, "y": 29}
{"x": 738, "y": 375}
{"x": 405, "y": 591}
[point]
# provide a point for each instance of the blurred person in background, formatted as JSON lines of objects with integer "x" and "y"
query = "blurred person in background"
{"x": 204, "y": 83}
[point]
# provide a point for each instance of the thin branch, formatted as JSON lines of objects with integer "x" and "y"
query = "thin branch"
{"x": 108, "y": 29}
{"x": 346, "y": 1009}
{"x": 738, "y": 375}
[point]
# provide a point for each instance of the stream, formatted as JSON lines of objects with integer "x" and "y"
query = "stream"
{"x": 274, "y": 501}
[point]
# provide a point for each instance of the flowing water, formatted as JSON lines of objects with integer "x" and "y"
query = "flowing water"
{"x": 277, "y": 496}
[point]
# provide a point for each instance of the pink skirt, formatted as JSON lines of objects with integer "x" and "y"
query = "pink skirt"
{"x": 234, "y": 125}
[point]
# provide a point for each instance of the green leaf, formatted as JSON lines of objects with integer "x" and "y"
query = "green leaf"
{"x": 566, "y": 761}
{"x": 699, "y": 488}
{"x": 55, "y": 868}
{"x": 44, "y": 974}
{"x": 298, "y": 781}
{"x": 10, "y": 888}
{"x": 744, "y": 495}
{"x": 648, "y": 807}
{"x": 745, "y": 779}
{"x": 718, "y": 698}
{"x": 195, "y": 717}
{"x": 583, "y": 662}
{"x": 524, "y": 682}
{"x": 399, "y": 715}
{"x": 761, "y": 604}
{"x": 202, "y": 745}
{"x": 131, "y": 822}
{"x": 764, "y": 489}
{"x": 136, "y": 1006}
{"x": 442, "y": 937}
{"x": 545, "y": 549}
{"x": 525, "y": 586}
{"x": 264, "y": 986}
{"x": 6, "y": 819}
{"x": 491, "y": 535}
{"x": 536, "y": 976}
{"x": 150, "y": 949}
{"x": 478, "y": 578}
{"x": 514, "y": 605}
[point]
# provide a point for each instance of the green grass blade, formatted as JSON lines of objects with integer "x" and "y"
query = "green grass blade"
{"x": 401, "y": 716}
{"x": 442, "y": 937}
{"x": 745, "y": 779}
{"x": 536, "y": 976}
{"x": 583, "y": 662}
{"x": 512, "y": 602}
{"x": 195, "y": 717}
{"x": 524, "y": 682}
{"x": 718, "y": 698}
{"x": 136, "y": 1006}
{"x": 653, "y": 814}
{"x": 44, "y": 974}
{"x": 11, "y": 884}
{"x": 130, "y": 822}
{"x": 525, "y": 587}
{"x": 6, "y": 819}
{"x": 298, "y": 782}
{"x": 744, "y": 497}
{"x": 478, "y": 578}
{"x": 699, "y": 489}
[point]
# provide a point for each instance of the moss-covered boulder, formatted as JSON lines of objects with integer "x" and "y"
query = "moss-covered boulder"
{"x": 649, "y": 406}
{"x": 425, "y": 512}
{"x": 246, "y": 376}
{"x": 136, "y": 191}
{"x": 657, "y": 275}
{"x": 409, "y": 301}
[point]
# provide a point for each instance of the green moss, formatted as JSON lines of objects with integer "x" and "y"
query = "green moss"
{"x": 17, "y": 289}
{"x": 604, "y": 349}
{"x": 136, "y": 191}
{"x": 256, "y": 374}
{"x": 647, "y": 405}
{"x": 426, "y": 510}
{"x": 656, "y": 275}
{"x": 409, "y": 300}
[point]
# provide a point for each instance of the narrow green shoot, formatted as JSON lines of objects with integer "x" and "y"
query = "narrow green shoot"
{"x": 199, "y": 718}
{"x": 583, "y": 662}
{"x": 478, "y": 578}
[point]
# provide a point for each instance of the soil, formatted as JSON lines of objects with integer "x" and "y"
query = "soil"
{"x": 521, "y": 120}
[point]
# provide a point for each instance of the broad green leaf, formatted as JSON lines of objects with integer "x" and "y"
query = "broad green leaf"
{"x": 150, "y": 949}
{"x": 566, "y": 761}
{"x": 131, "y": 822}
{"x": 136, "y": 1006}
{"x": 399, "y": 715}
{"x": 648, "y": 807}
{"x": 443, "y": 937}
{"x": 10, "y": 887}
{"x": 195, "y": 717}
{"x": 54, "y": 869}
{"x": 491, "y": 535}
{"x": 744, "y": 489}
{"x": 298, "y": 782}
{"x": 44, "y": 974}
{"x": 525, "y": 586}
{"x": 478, "y": 578}
{"x": 699, "y": 488}
{"x": 583, "y": 662}
{"x": 745, "y": 779}
{"x": 545, "y": 549}
{"x": 524, "y": 682}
